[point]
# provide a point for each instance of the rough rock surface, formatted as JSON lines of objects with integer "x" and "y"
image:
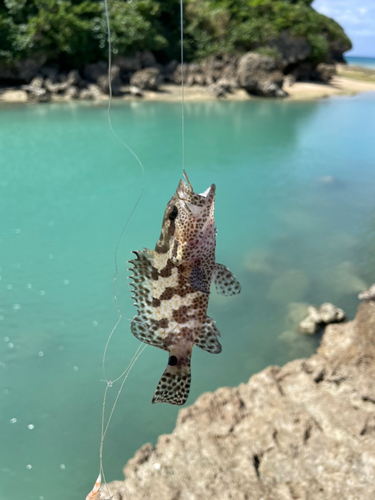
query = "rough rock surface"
{"x": 147, "y": 79}
{"x": 116, "y": 83}
{"x": 305, "y": 431}
{"x": 368, "y": 294}
{"x": 292, "y": 49}
{"x": 326, "y": 72}
{"x": 316, "y": 318}
{"x": 260, "y": 75}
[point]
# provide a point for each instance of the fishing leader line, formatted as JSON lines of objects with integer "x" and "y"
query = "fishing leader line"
{"x": 124, "y": 375}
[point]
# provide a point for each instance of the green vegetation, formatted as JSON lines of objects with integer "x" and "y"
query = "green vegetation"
{"x": 73, "y": 32}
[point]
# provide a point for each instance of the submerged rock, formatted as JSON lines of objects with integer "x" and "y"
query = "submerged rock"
{"x": 368, "y": 294}
{"x": 303, "y": 431}
{"x": 316, "y": 318}
{"x": 288, "y": 287}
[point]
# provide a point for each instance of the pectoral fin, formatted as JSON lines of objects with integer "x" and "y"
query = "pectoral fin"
{"x": 225, "y": 281}
{"x": 207, "y": 338}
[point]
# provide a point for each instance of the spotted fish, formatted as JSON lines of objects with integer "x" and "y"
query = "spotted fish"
{"x": 171, "y": 288}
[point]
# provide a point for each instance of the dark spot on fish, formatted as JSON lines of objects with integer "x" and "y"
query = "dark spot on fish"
{"x": 156, "y": 302}
{"x": 167, "y": 270}
{"x": 175, "y": 247}
{"x": 154, "y": 273}
{"x": 181, "y": 314}
{"x": 172, "y": 361}
{"x": 173, "y": 214}
{"x": 167, "y": 294}
{"x": 163, "y": 323}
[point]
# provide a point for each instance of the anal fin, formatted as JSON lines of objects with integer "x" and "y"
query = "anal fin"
{"x": 225, "y": 281}
{"x": 208, "y": 337}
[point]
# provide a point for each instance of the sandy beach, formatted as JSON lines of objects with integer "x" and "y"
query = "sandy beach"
{"x": 299, "y": 91}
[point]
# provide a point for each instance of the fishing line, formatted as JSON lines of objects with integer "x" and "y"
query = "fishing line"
{"x": 124, "y": 375}
{"x": 182, "y": 86}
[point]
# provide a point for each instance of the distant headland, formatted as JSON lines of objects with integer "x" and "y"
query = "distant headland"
{"x": 233, "y": 49}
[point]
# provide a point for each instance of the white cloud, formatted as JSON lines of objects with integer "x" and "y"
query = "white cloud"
{"x": 357, "y": 17}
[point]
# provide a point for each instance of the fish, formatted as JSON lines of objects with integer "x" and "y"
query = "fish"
{"x": 94, "y": 493}
{"x": 171, "y": 288}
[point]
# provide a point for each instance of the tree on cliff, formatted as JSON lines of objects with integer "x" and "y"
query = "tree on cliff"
{"x": 72, "y": 32}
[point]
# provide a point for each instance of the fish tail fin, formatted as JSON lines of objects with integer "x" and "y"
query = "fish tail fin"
{"x": 174, "y": 386}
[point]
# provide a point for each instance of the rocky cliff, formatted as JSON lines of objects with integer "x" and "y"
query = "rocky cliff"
{"x": 304, "y": 431}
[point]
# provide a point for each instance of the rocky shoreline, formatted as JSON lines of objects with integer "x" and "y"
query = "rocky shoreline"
{"x": 141, "y": 76}
{"x": 302, "y": 431}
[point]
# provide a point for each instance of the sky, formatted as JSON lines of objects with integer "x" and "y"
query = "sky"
{"x": 357, "y": 17}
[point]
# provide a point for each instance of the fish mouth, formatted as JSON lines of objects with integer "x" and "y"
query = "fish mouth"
{"x": 185, "y": 191}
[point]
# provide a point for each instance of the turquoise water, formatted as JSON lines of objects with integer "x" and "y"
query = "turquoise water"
{"x": 365, "y": 62}
{"x": 295, "y": 214}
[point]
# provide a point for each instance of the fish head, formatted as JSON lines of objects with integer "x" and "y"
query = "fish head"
{"x": 188, "y": 230}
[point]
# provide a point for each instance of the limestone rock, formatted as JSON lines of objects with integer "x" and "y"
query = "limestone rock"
{"x": 147, "y": 79}
{"x": 74, "y": 78}
{"x": 303, "y": 431}
{"x": 217, "y": 90}
{"x": 260, "y": 75}
{"x": 92, "y": 92}
{"x": 116, "y": 83}
{"x": 93, "y": 71}
{"x": 368, "y": 294}
{"x": 72, "y": 92}
{"x": 55, "y": 88}
{"x": 289, "y": 80}
{"x": 85, "y": 94}
{"x": 36, "y": 91}
{"x": 193, "y": 74}
{"x": 292, "y": 49}
{"x": 135, "y": 92}
{"x": 326, "y": 72}
{"x": 316, "y": 318}
{"x": 21, "y": 72}
{"x": 37, "y": 94}
{"x": 331, "y": 314}
{"x": 130, "y": 64}
{"x": 37, "y": 82}
{"x": 148, "y": 59}
{"x": 169, "y": 69}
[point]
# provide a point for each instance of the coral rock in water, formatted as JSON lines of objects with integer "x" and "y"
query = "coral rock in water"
{"x": 316, "y": 318}
{"x": 303, "y": 431}
{"x": 368, "y": 294}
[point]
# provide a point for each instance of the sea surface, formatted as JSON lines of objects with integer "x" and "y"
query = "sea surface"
{"x": 365, "y": 62}
{"x": 295, "y": 211}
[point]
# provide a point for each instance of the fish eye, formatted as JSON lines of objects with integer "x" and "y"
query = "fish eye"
{"x": 173, "y": 214}
{"x": 172, "y": 361}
